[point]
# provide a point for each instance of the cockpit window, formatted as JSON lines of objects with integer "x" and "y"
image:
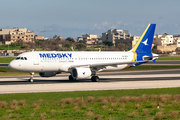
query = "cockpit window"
{"x": 21, "y": 58}
{"x": 17, "y": 58}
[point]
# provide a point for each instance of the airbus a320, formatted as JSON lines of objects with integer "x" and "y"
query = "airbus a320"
{"x": 83, "y": 64}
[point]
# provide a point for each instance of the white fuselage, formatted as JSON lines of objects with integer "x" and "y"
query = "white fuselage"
{"x": 61, "y": 61}
{"x": 85, "y": 64}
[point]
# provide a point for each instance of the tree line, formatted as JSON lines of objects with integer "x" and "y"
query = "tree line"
{"x": 68, "y": 44}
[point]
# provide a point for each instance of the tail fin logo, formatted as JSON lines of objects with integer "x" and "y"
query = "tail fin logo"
{"x": 145, "y": 42}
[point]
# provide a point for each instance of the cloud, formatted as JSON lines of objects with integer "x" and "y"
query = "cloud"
{"x": 119, "y": 22}
{"x": 96, "y": 26}
{"x": 138, "y": 29}
{"x": 160, "y": 18}
{"x": 52, "y": 27}
{"x": 104, "y": 25}
{"x": 176, "y": 25}
{"x": 143, "y": 26}
{"x": 112, "y": 26}
{"x": 126, "y": 24}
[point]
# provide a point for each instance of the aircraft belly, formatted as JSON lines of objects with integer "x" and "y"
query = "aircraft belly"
{"x": 112, "y": 68}
{"x": 42, "y": 68}
{"x": 51, "y": 67}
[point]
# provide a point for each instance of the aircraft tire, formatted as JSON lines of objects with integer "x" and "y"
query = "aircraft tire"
{"x": 95, "y": 78}
{"x": 30, "y": 80}
{"x": 71, "y": 78}
{"x": 92, "y": 78}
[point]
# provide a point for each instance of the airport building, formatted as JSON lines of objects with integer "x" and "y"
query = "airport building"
{"x": 91, "y": 39}
{"x": 112, "y": 35}
{"x": 178, "y": 43}
{"x": 89, "y": 36}
{"x": 163, "y": 40}
{"x": 165, "y": 43}
{"x": 135, "y": 40}
{"x": 8, "y": 36}
{"x": 37, "y": 37}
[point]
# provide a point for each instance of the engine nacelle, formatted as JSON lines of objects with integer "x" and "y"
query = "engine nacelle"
{"x": 79, "y": 73}
{"x": 47, "y": 74}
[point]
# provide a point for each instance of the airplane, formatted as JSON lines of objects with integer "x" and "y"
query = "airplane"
{"x": 85, "y": 64}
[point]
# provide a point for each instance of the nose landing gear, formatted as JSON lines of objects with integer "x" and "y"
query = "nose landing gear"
{"x": 31, "y": 77}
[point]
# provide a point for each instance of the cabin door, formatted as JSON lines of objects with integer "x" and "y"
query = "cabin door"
{"x": 36, "y": 59}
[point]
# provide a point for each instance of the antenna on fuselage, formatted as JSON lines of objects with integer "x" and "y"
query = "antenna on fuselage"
{"x": 99, "y": 49}
{"x": 32, "y": 50}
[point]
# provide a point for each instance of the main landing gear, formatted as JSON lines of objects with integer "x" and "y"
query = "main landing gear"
{"x": 71, "y": 78}
{"x": 94, "y": 78}
{"x": 31, "y": 77}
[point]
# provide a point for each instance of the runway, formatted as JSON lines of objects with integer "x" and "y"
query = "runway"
{"x": 108, "y": 81}
{"x": 4, "y": 64}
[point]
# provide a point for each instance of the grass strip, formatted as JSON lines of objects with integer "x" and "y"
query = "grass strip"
{"x": 104, "y": 104}
{"x": 152, "y": 67}
{"x": 6, "y": 71}
{"x": 6, "y": 59}
{"x": 169, "y": 58}
{"x": 6, "y": 47}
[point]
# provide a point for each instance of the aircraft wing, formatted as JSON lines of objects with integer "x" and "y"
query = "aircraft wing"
{"x": 108, "y": 64}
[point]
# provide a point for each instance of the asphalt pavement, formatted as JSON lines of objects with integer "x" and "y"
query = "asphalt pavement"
{"x": 108, "y": 81}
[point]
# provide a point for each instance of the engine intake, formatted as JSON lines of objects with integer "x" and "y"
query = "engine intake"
{"x": 80, "y": 73}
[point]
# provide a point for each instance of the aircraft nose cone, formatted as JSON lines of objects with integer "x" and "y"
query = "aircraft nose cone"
{"x": 12, "y": 65}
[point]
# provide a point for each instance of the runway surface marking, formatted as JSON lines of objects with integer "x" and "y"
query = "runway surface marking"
{"x": 102, "y": 77}
{"x": 108, "y": 81}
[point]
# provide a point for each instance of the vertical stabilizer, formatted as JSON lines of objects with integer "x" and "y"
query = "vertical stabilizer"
{"x": 145, "y": 42}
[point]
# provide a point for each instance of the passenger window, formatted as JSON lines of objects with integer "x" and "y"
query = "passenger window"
{"x": 22, "y": 58}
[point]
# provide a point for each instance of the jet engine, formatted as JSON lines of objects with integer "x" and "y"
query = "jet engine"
{"x": 47, "y": 74}
{"x": 80, "y": 73}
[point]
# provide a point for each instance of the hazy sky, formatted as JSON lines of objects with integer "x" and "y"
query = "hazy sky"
{"x": 72, "y": 18}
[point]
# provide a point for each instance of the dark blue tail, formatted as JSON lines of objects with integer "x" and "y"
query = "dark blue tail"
{"x": 145, "y": 42}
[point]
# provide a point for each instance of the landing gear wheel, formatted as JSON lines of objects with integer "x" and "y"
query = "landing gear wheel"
{"x": 30, "y": 80}
{"x": 31, "y": 77}
{"x": 71, "y": 78}
{"x": 94, "y": 78}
